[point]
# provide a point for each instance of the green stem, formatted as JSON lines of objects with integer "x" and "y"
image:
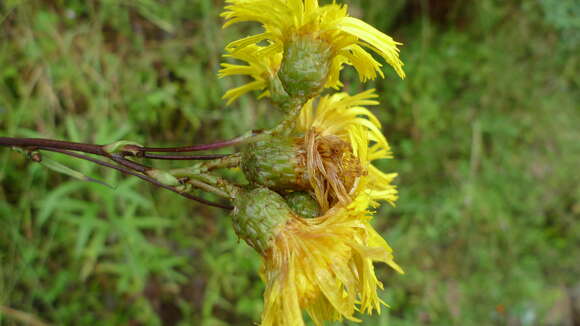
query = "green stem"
{"x": 228, "y": 162}
{"x": 200, "y": 170}
{"x": 199, "y": 176}
{"x": 209, "y": 188}
{"x": 288, "y": 125}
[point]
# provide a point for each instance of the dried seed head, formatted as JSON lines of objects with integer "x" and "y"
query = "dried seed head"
{"x": 332, "y": 168}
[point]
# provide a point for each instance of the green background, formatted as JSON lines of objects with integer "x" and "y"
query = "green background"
{"x": 485, "y": 129}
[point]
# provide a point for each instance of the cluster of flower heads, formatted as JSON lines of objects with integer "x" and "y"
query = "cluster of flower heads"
{"x": 320, "y": 263}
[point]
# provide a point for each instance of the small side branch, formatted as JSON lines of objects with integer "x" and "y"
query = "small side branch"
{"x": 196, "y": 148}
{"x": 119, "y": 151}
{"x": 184, "y": 157}
{"x": 126, "y": 150}
{"x": 128, "y": 171}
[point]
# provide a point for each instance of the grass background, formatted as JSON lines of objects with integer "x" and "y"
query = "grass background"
{"x": 486, "y": 132}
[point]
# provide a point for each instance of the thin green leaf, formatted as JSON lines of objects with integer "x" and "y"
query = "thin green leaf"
{"x": 61, "y": 168}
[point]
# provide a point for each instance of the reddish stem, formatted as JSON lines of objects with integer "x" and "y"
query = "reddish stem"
{"x": 195, "y": 148}
{"x": 184, "y": 157}
{"x": 51, "y": 143}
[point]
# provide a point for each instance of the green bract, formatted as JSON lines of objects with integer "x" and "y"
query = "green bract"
{"x": 305, "y": 67}
{"x": 303, "y": 204}
{"x": 276, "y": 162}
{"x": 258, "y": 214}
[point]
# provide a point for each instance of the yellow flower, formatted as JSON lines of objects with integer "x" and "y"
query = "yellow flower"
{"x": 347, "y": 38}
{"x": 262, "y": 64}
{"x": 344, "y": 117}
{"x": 324, "y": 266}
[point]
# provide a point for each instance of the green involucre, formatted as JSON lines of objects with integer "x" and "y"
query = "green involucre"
{"x": 258, "y": 214}
{"x": 275, "y": 162}
{"x": 305, "y": 67}
{"x": 303, "y": 204}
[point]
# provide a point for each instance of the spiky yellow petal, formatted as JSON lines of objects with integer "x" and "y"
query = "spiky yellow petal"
{"x": 324, "y": 266}
{"x": 375, "y": 40}
{"x": 344, "y": 116}
{"x": 262, "y": 63}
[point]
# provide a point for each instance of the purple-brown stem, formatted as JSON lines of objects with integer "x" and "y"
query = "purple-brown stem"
{"x": 125, "y": 165}
{"x": 184, "y": 157}
{"x": 195, "y": 148}
{"x": 33, "y": 143}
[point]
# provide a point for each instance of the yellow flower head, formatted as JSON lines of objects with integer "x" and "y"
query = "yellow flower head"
{"x": 347, "y": 38}
{"x": 324, "y": 266}
{"x": 343, "y": 119}
{"x": 262, "y": 64}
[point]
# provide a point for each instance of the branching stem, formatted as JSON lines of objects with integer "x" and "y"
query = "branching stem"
{"x": 138, "y": 175}
{"x": 217, "y": 186}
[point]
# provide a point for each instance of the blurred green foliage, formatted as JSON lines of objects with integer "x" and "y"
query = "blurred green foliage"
{"x": 486, "y": 132}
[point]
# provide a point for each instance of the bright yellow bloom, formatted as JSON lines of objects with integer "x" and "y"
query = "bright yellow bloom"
{"x": 324, "y": 265}
{"x": 262, "y": 64}
{"x": 344, "y": 117}
{"x": 348, "y": 38}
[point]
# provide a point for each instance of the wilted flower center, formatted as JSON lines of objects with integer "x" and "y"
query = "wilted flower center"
{"x": 332, "y": 168}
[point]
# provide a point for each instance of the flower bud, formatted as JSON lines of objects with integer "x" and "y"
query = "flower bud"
{"x": 276, "y": 162}
{"x": 258, "y": 215}
{"x": 305, "y": 66}
{"x": 303, "y": 204}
